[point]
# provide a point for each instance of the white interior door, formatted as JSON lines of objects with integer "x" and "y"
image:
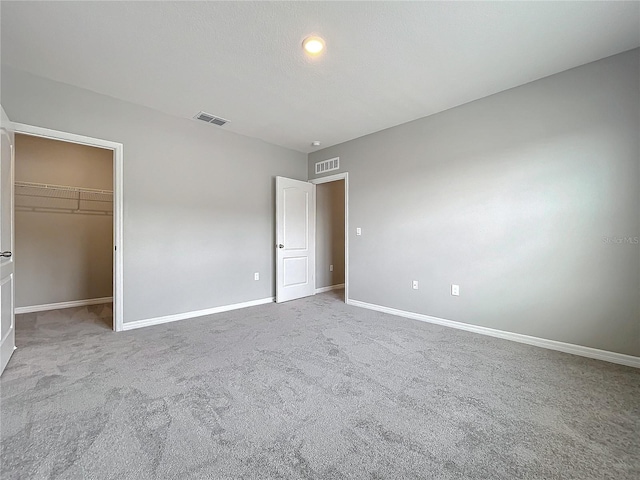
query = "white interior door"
{"x": 296, "y": 237}
{"x": 7, "y": 316}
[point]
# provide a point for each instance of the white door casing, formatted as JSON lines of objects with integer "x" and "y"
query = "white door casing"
{"x": 334, "y": 178}
{"x": 118, "y": 207}
{"x": 295, "y": 239}
{"x": 7, "y": 314}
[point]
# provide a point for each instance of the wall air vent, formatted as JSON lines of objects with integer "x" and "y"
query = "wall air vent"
{"x": 207, "y": 117}
{"x": 328, "y": 165}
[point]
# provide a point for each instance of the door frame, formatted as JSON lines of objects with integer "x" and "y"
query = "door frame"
{"x": 117, "y": 148}
{"x": 333, "y": 178}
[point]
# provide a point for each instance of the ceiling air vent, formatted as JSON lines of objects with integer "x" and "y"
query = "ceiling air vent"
{"x": 207, "y": 117}
{"x": 328, "y": 165}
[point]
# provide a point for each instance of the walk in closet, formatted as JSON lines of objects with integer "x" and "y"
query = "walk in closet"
{"x": 63, "y": 200}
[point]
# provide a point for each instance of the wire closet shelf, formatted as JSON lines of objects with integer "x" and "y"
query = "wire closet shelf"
{"x": 42, "y": 197}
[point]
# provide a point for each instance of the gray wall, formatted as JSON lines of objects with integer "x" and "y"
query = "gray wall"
{"x": 198, "y": 201}
{"x": 62, "y": 257}
{"x": 520, "y": 198}
{"x": 330, "y": 233}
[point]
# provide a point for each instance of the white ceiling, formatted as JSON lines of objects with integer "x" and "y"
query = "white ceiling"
{"x": 386, "y": 63}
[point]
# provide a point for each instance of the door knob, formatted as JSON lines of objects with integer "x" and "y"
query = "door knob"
{"x": 6, "y": 254}
{"x": 281, "y": 246}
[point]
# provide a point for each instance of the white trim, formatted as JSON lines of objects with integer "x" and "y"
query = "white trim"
{"x": 118, "y": 155}
{"x": 332, "y": 178}
{"x": 59, "y": 305}
{"x": 65, "y": 136}
{"x": 118, "y": 238}
{"x": 613, "y": 357}
{"x": 329, "y": 288}
{"x": 198, "y": 313}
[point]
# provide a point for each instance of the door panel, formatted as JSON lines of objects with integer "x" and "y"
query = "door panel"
{"x": 295, "y": 226}
{"x": 7, "y": 317}
{"x": 296, "y": 271}
{"x": 296, "y": 218}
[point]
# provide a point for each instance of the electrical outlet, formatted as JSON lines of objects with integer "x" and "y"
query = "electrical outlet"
{"x": 256, "y": 276}
{"x": 414, "y": 284}
{"x": 358, "y": 231}
{"x": 331, "y": 268}
{"x": 455, "y": 290}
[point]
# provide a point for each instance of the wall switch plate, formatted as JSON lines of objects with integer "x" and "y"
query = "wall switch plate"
{"x": 414, "y": 284}
{"x": 455, "y": 290}
{"x": 256, "y": 276}
{"x": 331, "y": 268}
{"x": 358, "y": 231}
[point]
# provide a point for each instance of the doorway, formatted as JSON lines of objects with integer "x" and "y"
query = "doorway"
{"x": 68, "y": 222}
{"x": 332, "y": 239}
{"x": 296, "y": 237}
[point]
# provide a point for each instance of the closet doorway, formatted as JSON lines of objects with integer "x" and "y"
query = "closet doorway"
{"x": 68, "y": 214}
{"x": 332, "y": 240}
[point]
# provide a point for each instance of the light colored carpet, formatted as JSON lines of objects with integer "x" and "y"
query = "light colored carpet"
{"x": 312, "y": 388}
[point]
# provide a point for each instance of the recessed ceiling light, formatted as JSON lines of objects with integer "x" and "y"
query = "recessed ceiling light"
{"x": 313, "y": 45}
{"x": 315, "y": 144}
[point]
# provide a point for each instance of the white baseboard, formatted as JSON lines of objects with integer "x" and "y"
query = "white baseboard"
{"x": 198, "y": 313}
{"x": 329, "y": 288}
{"x": 613, "y": 357}
{"x": 57, "y": 306}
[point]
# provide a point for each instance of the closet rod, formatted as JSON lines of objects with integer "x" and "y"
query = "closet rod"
{"x": 68, "y": 188}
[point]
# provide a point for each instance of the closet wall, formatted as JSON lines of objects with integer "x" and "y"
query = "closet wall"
{"x": 61, "y": 255}
{"x": 330, "y": 233}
